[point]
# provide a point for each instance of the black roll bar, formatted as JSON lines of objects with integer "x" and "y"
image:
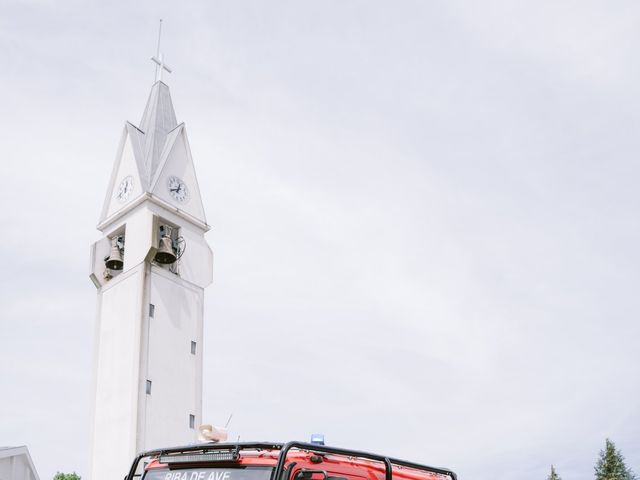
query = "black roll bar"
{"x": 284, "y": 449}
{"x": 387, "y": 461}
{"x": 200, "y": 447}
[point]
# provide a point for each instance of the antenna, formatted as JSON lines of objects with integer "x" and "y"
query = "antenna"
{"x": 229, "y": 421}
{"x": 237, "y": 452}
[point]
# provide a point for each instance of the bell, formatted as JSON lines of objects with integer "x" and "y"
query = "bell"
{"x": 165, "y": 255}
{"x": 114, "y": 261}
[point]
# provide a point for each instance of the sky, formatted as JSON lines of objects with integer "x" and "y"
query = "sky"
{"x": 424, "y": 220}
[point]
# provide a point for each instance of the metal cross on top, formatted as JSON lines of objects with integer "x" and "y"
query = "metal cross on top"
{"x": 159, "y": 58}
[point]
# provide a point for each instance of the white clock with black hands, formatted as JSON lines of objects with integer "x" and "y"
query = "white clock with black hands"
{"x": 178, "y": 189}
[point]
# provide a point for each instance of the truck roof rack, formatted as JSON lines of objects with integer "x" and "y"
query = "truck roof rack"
{"x": 284, "y": 449}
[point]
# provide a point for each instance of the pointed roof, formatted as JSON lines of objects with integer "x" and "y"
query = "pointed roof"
{"x": 158, "y": 120}
{"x": 150, "y": 154}
{"x": 22, "y": 451}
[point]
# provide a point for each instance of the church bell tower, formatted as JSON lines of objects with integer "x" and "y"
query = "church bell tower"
{"x": 150, "y": 269}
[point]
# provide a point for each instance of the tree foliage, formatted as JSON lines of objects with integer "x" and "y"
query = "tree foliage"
{"x": 611, "y": 464}
{"x": 66, "y": 476}
{"x": 553, "y": 475}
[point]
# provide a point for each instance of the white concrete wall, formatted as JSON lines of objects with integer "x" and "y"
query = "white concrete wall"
{"x": 139, "y": 236}
{"x": 118, "y": 363}
{"x": 175, "y": 373}
{"x": 196, "y": 265}
{"x": 98, "y": 251}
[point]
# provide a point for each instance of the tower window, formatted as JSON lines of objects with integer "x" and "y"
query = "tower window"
{"x": 152, "y": 310}
{"x": 148, "y": 387}
{"x": 192, "y": 421}
{"x": 193, "y": 348}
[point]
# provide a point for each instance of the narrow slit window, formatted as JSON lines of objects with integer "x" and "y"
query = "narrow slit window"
{"x": 152, "y": 310}
{"x": 193, "y": 348}
{"x": 148, "y": 387}
{"x": 192, "y": 421}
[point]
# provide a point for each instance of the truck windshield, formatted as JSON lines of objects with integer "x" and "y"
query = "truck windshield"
{"x": 209, "y": 473}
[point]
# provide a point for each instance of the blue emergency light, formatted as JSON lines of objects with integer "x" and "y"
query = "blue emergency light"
{"x": 317, "y": 438}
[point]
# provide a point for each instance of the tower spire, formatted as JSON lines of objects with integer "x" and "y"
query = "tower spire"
{"x": 159, "y": 58}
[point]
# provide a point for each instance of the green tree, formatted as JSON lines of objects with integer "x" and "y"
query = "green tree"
{"x": 553, "y": 475}
{"x": 611, "y": 464}
{"x": 66, "y": 476}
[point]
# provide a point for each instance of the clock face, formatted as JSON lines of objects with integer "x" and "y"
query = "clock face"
{"x": 178, "y": 189}
{"x": 124, "y": 189}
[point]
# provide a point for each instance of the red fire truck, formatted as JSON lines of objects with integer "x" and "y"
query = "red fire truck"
{"x": 276, "y": 461}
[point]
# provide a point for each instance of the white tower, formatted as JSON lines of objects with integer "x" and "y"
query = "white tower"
{"x": 150, "y": 313}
